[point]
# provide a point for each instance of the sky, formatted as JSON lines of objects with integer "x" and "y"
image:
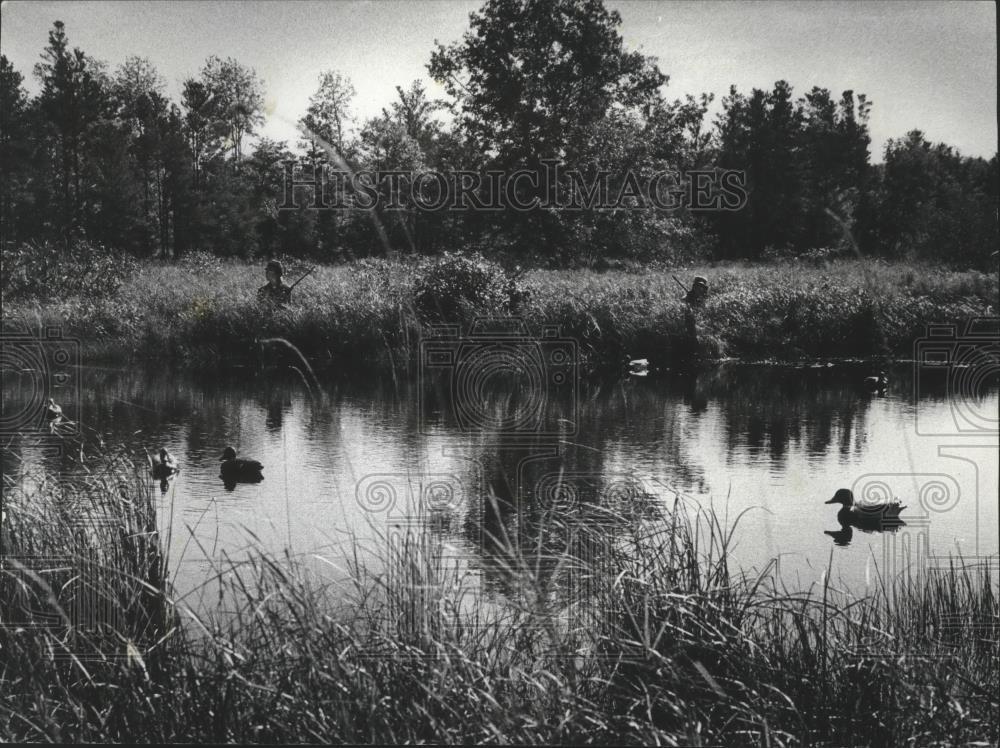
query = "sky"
{"x": 925, "y": 65}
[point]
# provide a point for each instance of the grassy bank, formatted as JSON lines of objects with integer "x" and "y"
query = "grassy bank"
{"x": 362, "y": 316}
{"x": 671, "y": 646}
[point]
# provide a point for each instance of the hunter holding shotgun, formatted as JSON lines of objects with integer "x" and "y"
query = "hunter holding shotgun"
{"x": 694, "y": 298}
{"x": 696, "y": 295}
{"x": 275, "y": 292}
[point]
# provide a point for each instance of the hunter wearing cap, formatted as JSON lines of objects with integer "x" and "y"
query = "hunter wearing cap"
{"x": 274, "y": 292}
{"x": 694, "y": 299}
{"x": 698, "y": 293}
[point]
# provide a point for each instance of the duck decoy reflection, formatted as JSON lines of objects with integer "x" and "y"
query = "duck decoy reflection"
{"x": 843, "y": 536}
{"x": 235, "y": 470}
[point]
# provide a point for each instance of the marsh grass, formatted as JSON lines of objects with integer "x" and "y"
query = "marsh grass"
{"x": 361, "y": 316}
{"x": 668, "y": 644}
{"x": 82, "y": 583}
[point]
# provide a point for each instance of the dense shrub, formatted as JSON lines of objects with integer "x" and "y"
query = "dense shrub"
{"x": 46, "y": 270}
{"x": 454, "y": 286}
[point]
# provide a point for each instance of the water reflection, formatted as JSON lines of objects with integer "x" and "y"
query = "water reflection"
{"x": 766, "y": 438}
{"x": 277, "y": 400}
{"x": 769, "y": 410}
{"x": 230, "y": 483}
{"x": 845, "y": 534}
{"x": 543, "y": 510}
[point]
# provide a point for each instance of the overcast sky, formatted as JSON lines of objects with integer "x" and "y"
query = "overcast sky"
{"x": 926, "y": 65}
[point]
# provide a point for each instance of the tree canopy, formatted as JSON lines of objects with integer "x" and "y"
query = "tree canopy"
{"x": 104, "y": 155}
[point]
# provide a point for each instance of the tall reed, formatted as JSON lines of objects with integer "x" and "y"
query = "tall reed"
{"x": 615, "y": 620}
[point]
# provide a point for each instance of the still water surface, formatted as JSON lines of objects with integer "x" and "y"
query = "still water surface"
{"x": 344, "y": 458}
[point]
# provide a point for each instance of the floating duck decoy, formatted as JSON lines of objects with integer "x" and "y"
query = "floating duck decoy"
{"x": 878, "y": 516}
{"x": 53, "y": 412}
{"x": 644, "y": 367}
{"x": 59, "y": 424}
{"x": 638, "y": 367}
{"x": 234, "y": 470}
{"x": 877, "y": 384}
{"x": 164, "y": 465}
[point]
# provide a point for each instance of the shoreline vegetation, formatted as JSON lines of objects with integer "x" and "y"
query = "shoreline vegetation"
{"x": 369, "y": 315}
{"x": 829, "y": 257}
{"x": 669, "y": 646}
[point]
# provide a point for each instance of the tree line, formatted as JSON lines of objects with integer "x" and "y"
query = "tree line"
{"x": 105, "y": 156}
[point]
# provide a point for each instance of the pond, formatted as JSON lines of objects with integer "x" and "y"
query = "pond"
{"x": 344, "y": 459}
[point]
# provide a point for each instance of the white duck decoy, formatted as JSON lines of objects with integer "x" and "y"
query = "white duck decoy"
{"x": 638, "y": 367}
{"x": 53, "y": 412}
{"x": 877, "y": 384}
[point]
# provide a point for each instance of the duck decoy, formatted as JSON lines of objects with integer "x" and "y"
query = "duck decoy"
{"x": 59, "y": 424}
{"x": 238, "y": 470}
{"x": 644, "y": 367}
{"x": 638, "y": 367}
{"x": 164, "y": 465}
{"x": 877, "y": 516}
{"x": 53, "y": 412}
{"x": 877, "y": 384}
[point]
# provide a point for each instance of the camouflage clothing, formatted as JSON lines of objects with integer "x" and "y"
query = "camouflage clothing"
{"x": 275, "y": 294}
